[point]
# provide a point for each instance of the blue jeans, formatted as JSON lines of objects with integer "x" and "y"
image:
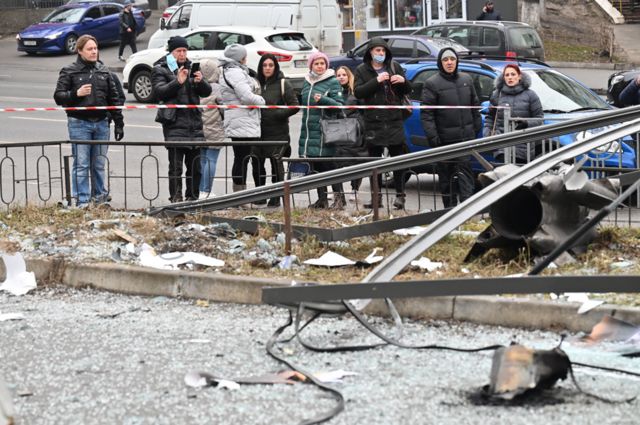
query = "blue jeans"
{"x": 89, "y": 160}
{"x": 208, "y": 161}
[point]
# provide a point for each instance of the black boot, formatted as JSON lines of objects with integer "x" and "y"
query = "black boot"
{"x": 398, "y": 203}
{"x": 339, "y": 201}
{"x": 273, "y": 202}
{"x": 370, "y": 203}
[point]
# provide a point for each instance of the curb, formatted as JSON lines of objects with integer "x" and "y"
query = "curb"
{"x": 488, "y": 310}
{"x": 592, "y": 65}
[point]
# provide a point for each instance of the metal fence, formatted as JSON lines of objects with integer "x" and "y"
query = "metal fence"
{"x": 31, "y": 4}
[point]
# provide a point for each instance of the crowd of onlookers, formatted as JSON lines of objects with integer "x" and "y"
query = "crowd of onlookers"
{"x": 379, "y": 80}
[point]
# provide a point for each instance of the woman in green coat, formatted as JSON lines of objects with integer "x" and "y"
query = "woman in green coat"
{"x": 320, "y": 88}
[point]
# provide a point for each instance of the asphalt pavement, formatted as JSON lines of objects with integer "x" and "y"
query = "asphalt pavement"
{"x": 82, "y": 356}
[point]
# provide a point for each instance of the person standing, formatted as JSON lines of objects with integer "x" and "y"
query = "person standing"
{"x": 241, "y": 125}
{"x": 274, "y": 123}
{"x": 489, "y": 13}
{"x": 173, "y": 84}
{"x": 88, "y": 82}
{"x": 630, "y": 95}
{"x": 320, "y": 87}
{"x": 451, "y": 125}
{"x": 128, "y": 28}
{"x": 513, "y": 91}
{"x": 212, "y": 126}
{"x": 381, "y": 81}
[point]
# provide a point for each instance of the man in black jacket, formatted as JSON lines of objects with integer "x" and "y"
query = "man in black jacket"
{"x": 381, "y": 81}
{"x": 128, "y": 28}
{"x": 448, "y": 126}
{"x": 88, "y": 82}
{"x": 173, "y": 84}
{"x": 489, "y": 13}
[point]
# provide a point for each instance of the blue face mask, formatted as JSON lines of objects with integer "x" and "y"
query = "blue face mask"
{"x": 172, "y": 63}
{"x": 379, "y": 58}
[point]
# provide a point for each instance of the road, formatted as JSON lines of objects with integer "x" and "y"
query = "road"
{"x": 66, "y": 363}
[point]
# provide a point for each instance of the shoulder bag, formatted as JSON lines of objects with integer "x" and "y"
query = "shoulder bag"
{"x": 342, "y": 130}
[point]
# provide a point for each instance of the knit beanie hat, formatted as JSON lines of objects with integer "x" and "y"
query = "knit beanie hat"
{"x": 237, "y": 52}
{"x": 176, "y": 42}
{"x": 448, "y": 53}
{"x": 317, "y": 55}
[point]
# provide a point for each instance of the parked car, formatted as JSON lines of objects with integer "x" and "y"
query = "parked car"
{"x": 491, "y": 38}
{"x": 140, "y": 4}
{"x": 403, "y": 48}
{"x": 562, "y": 98}
{"x": 290, "y": 47}
{"x": 617, "y": 82}
{"x": 59, "y": 31}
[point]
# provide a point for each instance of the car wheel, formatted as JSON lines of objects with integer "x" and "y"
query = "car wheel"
{"x": 141, "y": 84}
{"x": 70, "y": 44}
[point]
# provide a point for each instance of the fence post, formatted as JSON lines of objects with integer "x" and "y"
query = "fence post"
{"x": 67, "y": 180}
{"x": 375, "y": 195}
{"x": 286, "y": 203}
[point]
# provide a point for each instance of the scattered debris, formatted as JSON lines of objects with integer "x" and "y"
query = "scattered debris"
{"x": 410, "y": 231}
{"x": 119, "y": 313}
{"x": 7, "y": 411}
{"x": 18, "y": 281}
{"x": 425, "y": 264}
{"x": 583, "y": 298}
{"x": 203, "y": 379}
{"x": 330, "y": 259}
{"x": 171, "y": 260}
{"x": 612, "y": 329}
{"x": 516, "y": 370}
{"x": 202, "y": 303}
{"x": 124, "y": 235}
{"x": 287, "y": 262}
{"x": 333, "y": 376}
{"x": 623, "y": 264}
{"x": 11, "y": 316}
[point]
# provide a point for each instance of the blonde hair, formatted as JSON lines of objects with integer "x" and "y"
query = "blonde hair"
{"x": 83, "y": 40}
{"x": 350, "y": 77}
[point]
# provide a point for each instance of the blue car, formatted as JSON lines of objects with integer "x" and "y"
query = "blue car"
{"x": 403, "y": 48}
{"x": 59, "y": 31}
{"x": 562, "y": 98}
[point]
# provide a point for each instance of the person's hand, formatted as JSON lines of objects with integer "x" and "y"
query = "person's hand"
{"x": 118, "y": 132}
{"x": 383, "y": 77}
{"x": 522, "y": 125}
{"x": 183, "y": 74}
{"x": 317, "y": 97}
{"x": 128, "y": 29}
{"x": 397, "y": 79}
{"x": 484, "y": 9}
{"x": 197, "y": 77}
{"x": 84, "y": 90}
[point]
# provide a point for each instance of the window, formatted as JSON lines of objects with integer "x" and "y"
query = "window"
{"x": 408, "y": 13}
{"x": 292, "y": 42}
{"x": 110, "y": 10}
{"x": 483, "y": 85}
{"x": 228, "y": 38}
{"x": 198, "y": 40}
{"x": 377, "y": 15}
{"x": 423, "y": 50}
{"x": 491, "y": 37}
{"x": 432, "y": 32}
{"x": 524, "y": 38}
{"x": 94, "y": 13}
{"x": 181, "y": 18}
{"x": 346, "y": 8}
{"x": 418, "y": 82}
{"x": 401, "y": 48}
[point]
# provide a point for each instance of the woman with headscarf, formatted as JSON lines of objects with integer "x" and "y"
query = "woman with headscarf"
{"x": 513, "y": 91}
{"x": 320, "y": 88}
{"x": 274, "y": 123}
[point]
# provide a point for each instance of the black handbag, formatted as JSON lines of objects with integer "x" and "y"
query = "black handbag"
{"x": 166, "y": 116}
{"x": 343, "y": 130}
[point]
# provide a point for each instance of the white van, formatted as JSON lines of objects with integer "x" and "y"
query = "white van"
{"x": 319, "y": 20}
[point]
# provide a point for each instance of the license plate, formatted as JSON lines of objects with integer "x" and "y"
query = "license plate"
{"x": 30, "y": 43}
{"x": 301, "y": 63}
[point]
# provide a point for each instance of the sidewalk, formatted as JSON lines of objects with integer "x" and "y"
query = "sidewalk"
{"x": 497, "y": 311}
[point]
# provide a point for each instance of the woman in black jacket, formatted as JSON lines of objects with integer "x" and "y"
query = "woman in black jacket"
{"x": 274, "y": 123}
{"x": 381, "y": 81}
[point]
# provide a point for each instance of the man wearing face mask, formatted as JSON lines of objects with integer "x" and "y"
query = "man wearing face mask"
{"x": 173, "y": 84}
{"x": 380, "y": 80}
{"x": 448, "y": 126}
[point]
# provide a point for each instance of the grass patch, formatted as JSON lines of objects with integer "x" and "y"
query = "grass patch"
{"x": 556, "y": 51}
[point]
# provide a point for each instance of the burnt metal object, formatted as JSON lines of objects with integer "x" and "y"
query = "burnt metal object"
{"x": 517, "y": 370}
{"x": 544, "y": 211}
{"x": 332, "y": 235}
{"x": 451, "y": 287}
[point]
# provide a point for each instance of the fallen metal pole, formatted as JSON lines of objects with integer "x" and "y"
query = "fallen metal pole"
{"x": 451, "y": 287}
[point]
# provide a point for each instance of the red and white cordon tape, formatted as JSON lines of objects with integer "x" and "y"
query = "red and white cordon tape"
{"x": 167, "y": 106}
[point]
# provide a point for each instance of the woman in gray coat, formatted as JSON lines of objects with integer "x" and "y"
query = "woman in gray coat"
{"x": 239, "y": 88}
{"x": 512, "y": 91}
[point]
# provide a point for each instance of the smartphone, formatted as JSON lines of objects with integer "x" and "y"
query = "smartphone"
{"x": 195, "y": 67}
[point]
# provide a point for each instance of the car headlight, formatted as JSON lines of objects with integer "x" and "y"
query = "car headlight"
{"x": 18, "y": 37}
{"x": 54, "y": 35}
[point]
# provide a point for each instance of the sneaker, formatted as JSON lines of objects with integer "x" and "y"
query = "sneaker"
{"x": 203, "y": 195}
{"x": 319, "y": 204}
{"x": 260, "y": 202}
{"x": 339, "y": 202}
{"x": 273, "y": 202}
{"x": 370, "y": 203}
{"x": 398, "y": 203}
{"x": 121, "y": 58}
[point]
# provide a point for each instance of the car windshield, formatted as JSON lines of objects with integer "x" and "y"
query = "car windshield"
{"x": 561, "y": 94}
{"x": 66, "y": 16}
{"x": 441, "y": 43}
{"x": 291, "y": 42}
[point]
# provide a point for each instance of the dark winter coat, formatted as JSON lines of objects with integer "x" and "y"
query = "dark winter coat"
{"x": 494, "y": 15}
{"x": 103, "y": 93}
{"x": 382, "y": 127}
{"x": 127, "y": 20}
{"x": 631, "y": 94}
{"x": 448, "y": 126}
{"x": 182, "y": 124}
{"x": 274, "y": 123}
{"x": 311, "y": 143}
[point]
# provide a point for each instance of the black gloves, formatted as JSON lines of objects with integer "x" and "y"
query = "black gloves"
{"x": 522, "y": 125}
{"x": 118, "y": 131}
